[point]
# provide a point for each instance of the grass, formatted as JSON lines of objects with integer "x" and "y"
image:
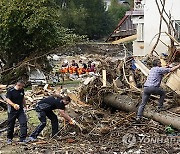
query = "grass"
{"x": 3, "y": 115}
{"x": 33, "y": 118}
{"x": 69, "y": 82}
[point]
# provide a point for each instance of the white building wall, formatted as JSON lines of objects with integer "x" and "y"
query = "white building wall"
{"x": 151, "y": 26}
{"x": 138, "y": 44}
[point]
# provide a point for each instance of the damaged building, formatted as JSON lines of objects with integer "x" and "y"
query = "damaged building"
{"x": 156, "y": 24}
{"x": 150, "y": 26}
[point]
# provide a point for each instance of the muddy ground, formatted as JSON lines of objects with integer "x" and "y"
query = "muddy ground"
{"x": 99, "y": 131}
{"x": 103, "y": 132}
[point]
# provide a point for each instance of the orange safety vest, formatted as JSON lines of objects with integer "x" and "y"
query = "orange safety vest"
{"x": 81, "y": 71}
{"x": 64, "y": 70}
{"x": 70, "y": 70}
{"x": 74, "y": 69}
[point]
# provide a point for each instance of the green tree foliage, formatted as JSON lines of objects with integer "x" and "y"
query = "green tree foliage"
{"x": 86, "y": 17}
{"x": 74, "y": 17}
{"x": 117, "y": 11}
{"x": 30, "y": 26}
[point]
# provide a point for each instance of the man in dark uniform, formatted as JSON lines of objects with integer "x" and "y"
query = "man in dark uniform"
{"x": 74, "y": 64}
{"x": 16, "y": 103}
{"x": 45, "y": 108}
{"x": 82, "y": 68}
{"x": 83, "y": 64}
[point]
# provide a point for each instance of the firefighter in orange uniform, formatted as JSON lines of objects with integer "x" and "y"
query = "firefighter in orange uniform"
{"x": 65, "y": 67}
{"x": 83, "y": 68}
{"x": 73, "y": 69}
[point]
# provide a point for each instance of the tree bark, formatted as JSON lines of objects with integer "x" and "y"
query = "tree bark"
{"x": 124, "y": 102}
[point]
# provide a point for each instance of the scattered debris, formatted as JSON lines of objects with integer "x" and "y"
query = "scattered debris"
{"x": 101, "y": 126}
{"x": 173, "y": 81}
{"x": 36, "y": 76}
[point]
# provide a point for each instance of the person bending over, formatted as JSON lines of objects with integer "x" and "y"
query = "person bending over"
{"x": 45, "y": 108}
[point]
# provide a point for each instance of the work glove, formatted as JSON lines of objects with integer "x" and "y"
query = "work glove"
{"x": 16, "y": 106}
{"x": 72, "y": 122}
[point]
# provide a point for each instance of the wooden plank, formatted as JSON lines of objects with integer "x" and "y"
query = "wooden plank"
{"x": 142, "y": 67}
{"x": 126, "y": 39}
{"x": 104, "y": 78}
{"x": 173, "y": 81}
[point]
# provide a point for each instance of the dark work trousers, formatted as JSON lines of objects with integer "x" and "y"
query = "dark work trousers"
{"x": 21, "y": 116}
{"x": 146, "y": 95}
{"x": 42, "y": 117}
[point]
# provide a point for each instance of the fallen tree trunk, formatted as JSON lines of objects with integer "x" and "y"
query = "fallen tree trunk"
{"x": 124, "y": 102}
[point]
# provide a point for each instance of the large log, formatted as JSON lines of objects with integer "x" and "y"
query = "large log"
{"x": 124, "y": 102}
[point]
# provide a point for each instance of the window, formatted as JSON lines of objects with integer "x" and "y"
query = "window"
{"x": 138, "y": 4}
{"x": 140, "y": 32}
{"x": 177, "y": 28}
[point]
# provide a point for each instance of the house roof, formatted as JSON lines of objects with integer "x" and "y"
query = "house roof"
{"x": 120, "y": 23}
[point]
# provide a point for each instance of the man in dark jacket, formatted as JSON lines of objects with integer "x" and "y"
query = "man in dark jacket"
{"x": 16, "y": 103}
{"x": 45, "y": 108}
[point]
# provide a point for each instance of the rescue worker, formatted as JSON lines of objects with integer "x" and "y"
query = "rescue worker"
{"x": 65, "y": 67}
{"x": 83, "y": 68}
{"x": 89, "y": 66}
{"x": 152, "y": 86}
{"x": 83, "y": 64}
{"x": 74, "y": 67}
{"x": 93, "y": 69}
{"x": 74, "y": 64}
{"x": 45, "y": 108}
{"x": 16, "y": 103}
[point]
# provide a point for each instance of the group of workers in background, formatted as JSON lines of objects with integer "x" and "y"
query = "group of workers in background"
{"x": 76, "y": 69}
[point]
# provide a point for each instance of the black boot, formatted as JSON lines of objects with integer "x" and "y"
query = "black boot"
{"x": 138, "y": 120}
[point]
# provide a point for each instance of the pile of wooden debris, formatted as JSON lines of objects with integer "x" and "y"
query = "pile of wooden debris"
{"x": 105, "y": 108}
{"x": 127, "y": 82}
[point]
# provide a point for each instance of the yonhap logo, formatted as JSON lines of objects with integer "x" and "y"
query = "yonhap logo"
{"x": 129, "y": 140}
